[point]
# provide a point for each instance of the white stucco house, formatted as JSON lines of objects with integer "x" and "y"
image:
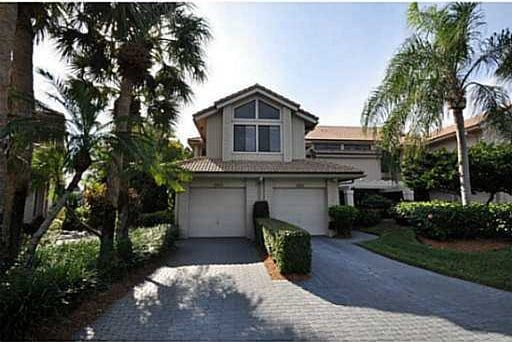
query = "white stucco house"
{"x": 252, "y": 147}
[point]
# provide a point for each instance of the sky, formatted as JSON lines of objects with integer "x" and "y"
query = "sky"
{"x": 325, "y": 56}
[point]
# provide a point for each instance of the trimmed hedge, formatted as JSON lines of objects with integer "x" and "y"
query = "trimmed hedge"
{"x": 343, "y": 219}
{"x": 64, "y": 275}
{"x": 289, "y": 245}
{"x": 367, "y": 218}
{"x": 450, "y": 220}
{"x": 158, "y": 217}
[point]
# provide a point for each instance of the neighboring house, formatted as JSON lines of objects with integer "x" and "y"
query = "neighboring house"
{"x": 251, "y": 148}
{"x": 352, "y": 145}
{"x": 38, "y": 202}
{"x": 477, "y": 129}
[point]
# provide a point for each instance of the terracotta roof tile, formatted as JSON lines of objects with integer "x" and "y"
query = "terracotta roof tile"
{"x": 209, "y": 165}
{"x": 341, "y": 133}
{"x": 449, "y": 130}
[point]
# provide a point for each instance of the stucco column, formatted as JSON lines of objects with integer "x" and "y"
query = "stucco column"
{"x": 348, "y": 195}
{"x": 408, "y": 194}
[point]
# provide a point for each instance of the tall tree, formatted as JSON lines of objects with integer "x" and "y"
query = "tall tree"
{"x": 150, "y": 50}
{"x": 32, "y": 20}
{"x": 437, "y": 68}
{"x": 8, "y": 15}
{"x": 83, "y": 103}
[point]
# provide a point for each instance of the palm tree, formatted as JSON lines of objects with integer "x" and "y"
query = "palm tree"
{"x": 438, "y": 67}
{"x": 124, "y": 42}
{"x": 83, "y": 103}
{"x": 8, "y": 14}
{"x": 32, "y": 21}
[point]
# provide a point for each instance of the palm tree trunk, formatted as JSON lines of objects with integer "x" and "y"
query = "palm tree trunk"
{"x": 121, "y": 114}
{"x": 54, "y": 211}
{"x": 20, "y": 159}
{"x": 8, "y": 15}
{"x": 462, "y": 156}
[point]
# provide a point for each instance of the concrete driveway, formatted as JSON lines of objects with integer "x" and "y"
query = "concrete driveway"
{"x": 217, "y": 289}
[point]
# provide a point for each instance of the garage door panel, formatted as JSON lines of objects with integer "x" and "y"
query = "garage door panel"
{"x": 306, "y": 208}
{"x": 217, "y": 212}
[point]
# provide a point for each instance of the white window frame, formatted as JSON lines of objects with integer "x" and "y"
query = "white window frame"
{"x": 258, "y": 122}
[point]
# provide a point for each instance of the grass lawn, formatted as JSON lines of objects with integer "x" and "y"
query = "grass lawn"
{"x": 492, "y": 268}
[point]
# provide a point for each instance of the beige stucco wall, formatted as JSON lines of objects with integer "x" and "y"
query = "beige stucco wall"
{"x": 370, "y": 164}
{"x": 451, "y": 143}
{"x": 298, "y": 134}
{"x": 214, "y": 136}
{"x": 219, "y": 135}
{"x": 255, "y": 189}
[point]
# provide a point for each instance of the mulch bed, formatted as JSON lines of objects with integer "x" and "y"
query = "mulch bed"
{"x": 274, "y": 273}
{"x": 97, "y": 303}
{"x": 472, "y": 246}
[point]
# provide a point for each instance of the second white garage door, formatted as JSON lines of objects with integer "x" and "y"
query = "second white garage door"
{"x": 307, "y": 208}
{"x": 217, "y": 212}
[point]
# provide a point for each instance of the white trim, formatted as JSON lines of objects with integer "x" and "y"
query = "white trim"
{"x": 339, "y": 176}
{"x": 305, "y": 117}
{"x": 256, "y": 91}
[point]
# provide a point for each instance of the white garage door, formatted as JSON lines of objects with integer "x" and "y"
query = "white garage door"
{"x": 217, "y": 212}
{"x": 307, "y": 208}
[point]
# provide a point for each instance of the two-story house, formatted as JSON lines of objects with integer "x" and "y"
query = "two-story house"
{"x": 352, "y": 145}
{"x": 251, "y": 148}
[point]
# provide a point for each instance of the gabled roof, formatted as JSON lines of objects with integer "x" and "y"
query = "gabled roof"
{"x": 256, "y": 88}
{"x": 299, "y": 166}
{"x": 355, "y": 133}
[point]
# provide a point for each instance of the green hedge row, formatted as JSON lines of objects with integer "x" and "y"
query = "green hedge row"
{"x": 344, "y": 218}
{"x": 450, "y": 220}
{"x": 158, "y": 217}
{"x": 65, "y": 274}
{"x": 289, "y": 245}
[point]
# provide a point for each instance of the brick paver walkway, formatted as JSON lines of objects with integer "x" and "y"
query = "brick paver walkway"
{"x": 217, "y": 289}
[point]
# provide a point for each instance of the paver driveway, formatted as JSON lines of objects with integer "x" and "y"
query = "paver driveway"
{"x": 217, "y": 289}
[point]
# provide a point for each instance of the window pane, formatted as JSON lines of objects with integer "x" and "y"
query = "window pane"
{"x": 244, "y": 138}
{"x": 250, "y": 138}
{"x": 327, "y": 147}
{"x": 266, "y": 111}
{"x": 356, "y": 147}
{"x": 269, "y": 139}
{"x": 263, "y": 139}
{"x": 275, "y": 139}
{"x": 246, "y": 111}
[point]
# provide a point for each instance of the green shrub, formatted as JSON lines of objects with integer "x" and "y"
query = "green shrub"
{"x": 260, "y": 210}
{"x": 158, "y": 217}
{"x": 376, "y": 202}
{"x": 367, "y": 218}
{"x": 343, "y": 219}
{"x": 289, "y": 245}
{"x": 450, "y": 220}
{"x": 62, "y": 277}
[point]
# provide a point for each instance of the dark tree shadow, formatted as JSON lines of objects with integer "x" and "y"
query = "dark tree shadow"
{"x": 348, "y": 275}
{"x": 194, "y": 303}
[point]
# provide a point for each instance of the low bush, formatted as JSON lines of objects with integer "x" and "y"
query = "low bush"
{"x": 62, "y": 277}
{"x": 367, "y": 218}
{"x": 376, "y": 202}
{"x": 289, "y": 245}
{"x": 343, "y": 219}
{"x": 450, "y": 220}
{"x": 158, "y": 217}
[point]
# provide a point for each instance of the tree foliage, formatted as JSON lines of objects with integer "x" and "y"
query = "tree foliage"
{"x": 439, "y": 68}
{"x": 490, "y": 165}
